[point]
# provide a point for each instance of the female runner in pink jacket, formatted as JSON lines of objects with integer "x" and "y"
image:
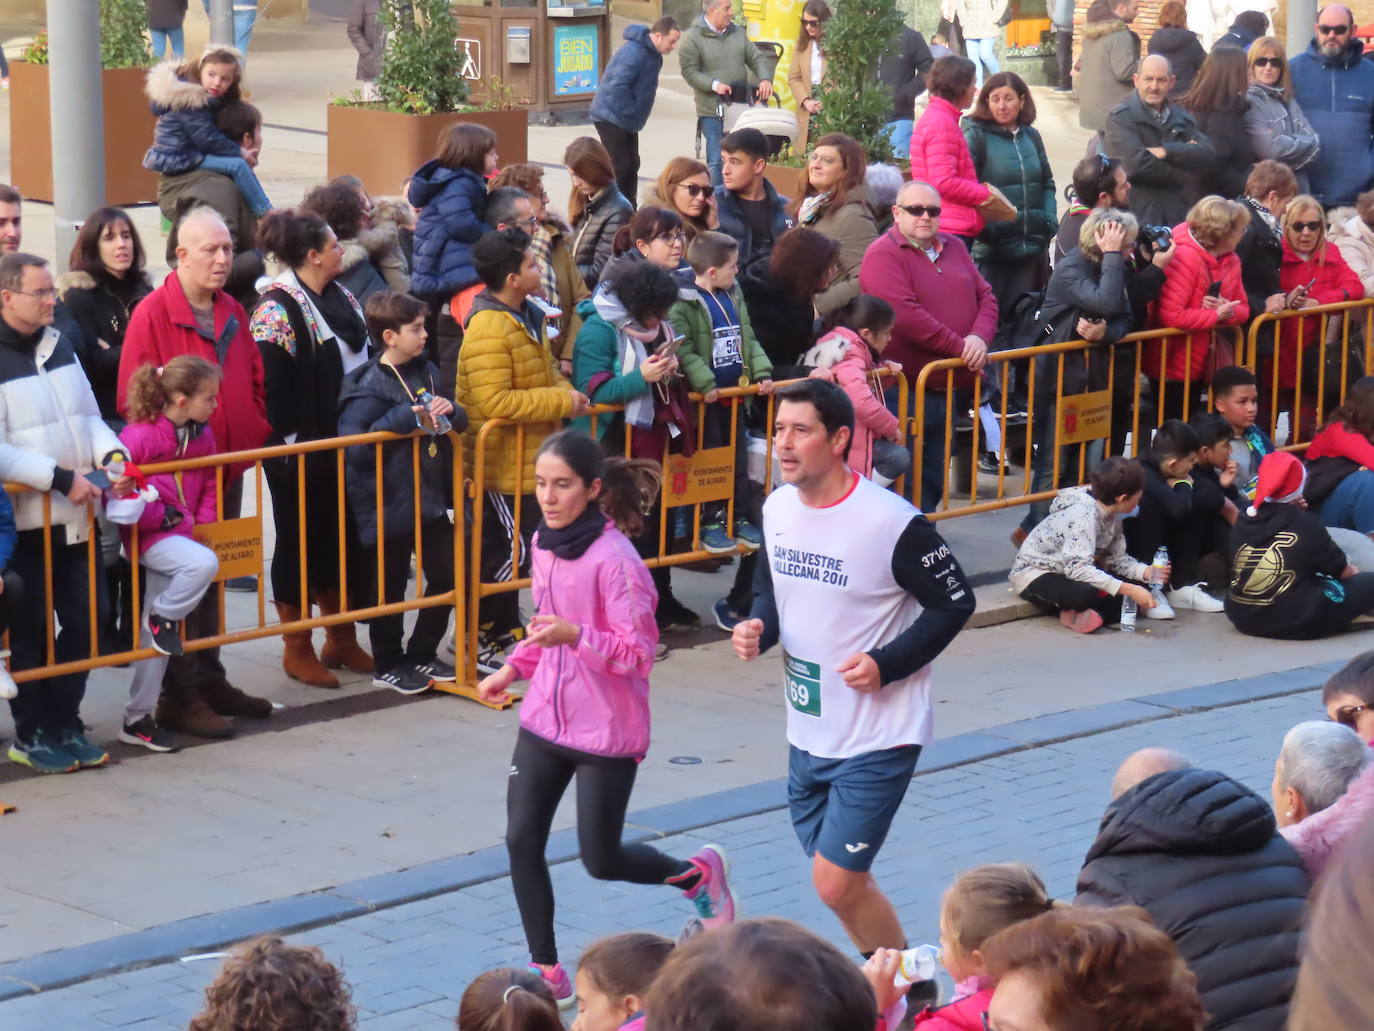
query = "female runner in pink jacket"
{"x": 587, "y": 656}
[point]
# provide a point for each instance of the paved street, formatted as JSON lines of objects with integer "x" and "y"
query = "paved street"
{"x": 409, "y": 964}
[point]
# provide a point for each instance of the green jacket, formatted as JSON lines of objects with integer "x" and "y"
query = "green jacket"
{"x": 598, "y": 350}
{"x": 705, "y": 55}
{"x": 1018, "y": 166}
{"x": 690, "y": 318}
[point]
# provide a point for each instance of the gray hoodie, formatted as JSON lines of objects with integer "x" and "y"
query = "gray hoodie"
{"x": 1070, "y": 540}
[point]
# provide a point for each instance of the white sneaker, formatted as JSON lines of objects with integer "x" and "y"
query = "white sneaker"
{"x": 8, "y": 688}
{"x": 1162, "y": 609}
{"x": 1195, "y": 598}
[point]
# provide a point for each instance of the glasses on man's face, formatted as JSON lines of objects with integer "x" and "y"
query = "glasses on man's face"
{"x": 1268, "y": 62}
{"x": 1349, "y": 715}
{"x": 43, "y": 295}
{"x": 693, "y": 190}
{"x": 917, "y": 210}
{"x": 1332, "y": 30}
{"x": 529, "y": 225}
{"x": 1305, "y": 227}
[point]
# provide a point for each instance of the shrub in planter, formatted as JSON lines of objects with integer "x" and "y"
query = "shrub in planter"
{"x": 422, "y": 90}
{"x": 128, "y": 122}
{"x": 853, "y": 101}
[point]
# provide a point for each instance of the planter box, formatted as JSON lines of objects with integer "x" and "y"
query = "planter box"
{"x": 128, "y": 134}
{"x": 384, "y": 148}
{"x": 790, "y": 182}
{"x": 1041, "y": 70}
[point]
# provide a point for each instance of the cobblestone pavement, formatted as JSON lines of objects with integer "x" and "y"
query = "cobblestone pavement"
{"x": 408, "y": 965}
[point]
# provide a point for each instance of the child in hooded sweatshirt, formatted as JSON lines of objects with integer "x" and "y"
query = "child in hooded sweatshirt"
{"x": 186, "y": 98}
{"x": 1291, "y": 580}
{"x": 613, "y": 977}
{"x": 848, "y": 355}
{"x": 1074, "y": 562}
{"x": 980, "y": 903}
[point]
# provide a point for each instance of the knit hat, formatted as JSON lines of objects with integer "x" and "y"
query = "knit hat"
{"x": 1281, "y": 478}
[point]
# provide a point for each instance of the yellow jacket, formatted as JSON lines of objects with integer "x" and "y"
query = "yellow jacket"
{"x": 506, "y": 371}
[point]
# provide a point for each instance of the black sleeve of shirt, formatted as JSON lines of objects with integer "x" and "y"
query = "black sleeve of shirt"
{"x": 764, "y": 607}
{"x": 62, "y": 480}
{"x": 924, "y": 566}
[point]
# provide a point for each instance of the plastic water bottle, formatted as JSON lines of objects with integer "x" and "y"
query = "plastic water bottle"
{"x": 441, "y": 422}
{"x": 1128, "y": 613}
{"x": 1160, "y": 563}
{"x": 918, "y": 964}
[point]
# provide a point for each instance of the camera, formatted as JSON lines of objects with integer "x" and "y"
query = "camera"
{"x": 1155, "y": 238}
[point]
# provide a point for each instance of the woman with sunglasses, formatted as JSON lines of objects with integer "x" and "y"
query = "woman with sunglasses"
{"x": 1323, "y": 790}
{"x": 1348, "y": 696}
{"x": 1274, "y": 122}
{"x": 684, "y": 187}
{"x": 1312, "y": 272}
{"x": 807, "y": 70}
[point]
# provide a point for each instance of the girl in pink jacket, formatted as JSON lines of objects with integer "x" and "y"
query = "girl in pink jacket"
{"x": 587, "y": 656}
{"x": 848, "y": 355}
{"x": 169, "y": 410}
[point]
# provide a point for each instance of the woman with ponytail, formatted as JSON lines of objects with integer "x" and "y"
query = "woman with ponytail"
{"x": 169, "y": 411}
{"x": 587, "y": 655}
{"x": 311, "y": 332}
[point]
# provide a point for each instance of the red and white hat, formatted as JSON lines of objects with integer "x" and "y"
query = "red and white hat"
{"x": 1281, "y": 479}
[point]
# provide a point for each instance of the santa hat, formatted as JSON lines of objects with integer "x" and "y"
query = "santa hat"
{"x": 1281, "y": 479}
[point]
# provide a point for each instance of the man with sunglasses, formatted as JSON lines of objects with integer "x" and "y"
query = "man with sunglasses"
{"x": 1334, "y": 86}
{"x": 943, "y": 308}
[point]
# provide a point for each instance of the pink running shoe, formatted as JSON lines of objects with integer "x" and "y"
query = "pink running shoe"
{"x": 712, "y": 897}
{"x": 558, "y": 981}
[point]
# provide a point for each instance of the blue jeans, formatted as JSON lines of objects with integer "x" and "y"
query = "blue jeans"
{"x": 241, "y": 172}
{"x": 933, "y": 468}
{"x": 712, "y": 129}
{"x": 983, "y": 53}
{"x": 164, "y": 38}
{"x": 1351, "y": 504}
{"x": 899, "y": 132}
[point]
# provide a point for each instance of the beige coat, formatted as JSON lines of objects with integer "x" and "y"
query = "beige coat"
{"x": 1355, "y": 241}
{"x": 799, "y": 82}
{"x": 852, "y": 226}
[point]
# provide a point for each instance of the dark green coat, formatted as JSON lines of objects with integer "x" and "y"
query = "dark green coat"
{"x": 1016, "y": 163}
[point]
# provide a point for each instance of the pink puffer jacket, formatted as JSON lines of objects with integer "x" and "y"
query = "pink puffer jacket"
{"x": 1318, "y": 839}
{"x": 940, "y": 156}
{"x": 592, "y": 696}
{"x": 152, "y": 442}
{"x": 871, "y": 417}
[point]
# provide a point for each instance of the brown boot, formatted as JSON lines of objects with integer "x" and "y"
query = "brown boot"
{"x": 227, "y": 700}
{"x": 182, "y": 709}
{"x": 341, "y": 649}
{"x": 298, "y": 654}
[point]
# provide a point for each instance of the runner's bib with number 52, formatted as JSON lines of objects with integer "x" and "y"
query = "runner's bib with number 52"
{"x": 802, "y": 680}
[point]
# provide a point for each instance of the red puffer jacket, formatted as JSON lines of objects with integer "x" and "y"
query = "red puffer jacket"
{"x": 1332, "y": 281}
{"x": 1186, "y": 281}
{"x": 940, "y": 156}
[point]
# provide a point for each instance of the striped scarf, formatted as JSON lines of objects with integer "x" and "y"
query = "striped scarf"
{"x": 543, "y": 257}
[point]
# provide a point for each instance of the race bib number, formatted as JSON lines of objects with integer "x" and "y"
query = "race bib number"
{"x": 725, "y": 347}
{"x": 802, "y": 680}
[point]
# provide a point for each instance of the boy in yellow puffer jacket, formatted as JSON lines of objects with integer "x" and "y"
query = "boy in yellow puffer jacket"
{"x": 506, "y": 372}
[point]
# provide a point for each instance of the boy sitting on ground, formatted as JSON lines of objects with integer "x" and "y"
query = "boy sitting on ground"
{"x": 1166, "y": 519}
{"x": 1217, "y": 501}
{"x": 1235, "y": 396}
{"x": 1074, "y": 561}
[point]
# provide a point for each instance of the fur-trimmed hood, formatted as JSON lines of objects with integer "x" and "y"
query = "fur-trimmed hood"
{"x": 392, "y": 211}
{"x": 75, "y": 280}
{"x": 1102, "y": 29}
{"x": 368, "y": 245}
{"x": 168, "y": 91}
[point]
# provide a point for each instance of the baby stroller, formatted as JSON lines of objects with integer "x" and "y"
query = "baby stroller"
{"x": 778, "y": 125}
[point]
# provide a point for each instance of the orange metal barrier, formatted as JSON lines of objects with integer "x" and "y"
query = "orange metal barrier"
{"x": 1305, "y": 362}
{"x": 1091, "y": 420}
{"x": 255, "y": 460}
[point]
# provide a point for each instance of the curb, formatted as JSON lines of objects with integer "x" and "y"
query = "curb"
{"x": 168, "y": 942}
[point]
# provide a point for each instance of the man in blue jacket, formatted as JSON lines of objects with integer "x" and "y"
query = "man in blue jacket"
{"x": 626, "y": 96}
{"x": 750, "y": 209}
{"x": 1335, "y": 89}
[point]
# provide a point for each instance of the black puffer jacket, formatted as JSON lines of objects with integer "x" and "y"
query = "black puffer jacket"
{"x": 1201, "y": 853}
{"x": 1261, "y": 252}
{"x": 595, "y": 232}
{"x": 1184, "y": 51}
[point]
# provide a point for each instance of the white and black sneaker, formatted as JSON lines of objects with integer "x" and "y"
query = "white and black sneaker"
{"x": 164, "y": 634}
{"x": 491, "y": 651}
{"x": 147, "y": 734}
{"x": 436, "y": 669}
{"x": 403, "y": 679}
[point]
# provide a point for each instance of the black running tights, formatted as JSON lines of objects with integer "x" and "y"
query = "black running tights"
{"x": 539, "y": 774}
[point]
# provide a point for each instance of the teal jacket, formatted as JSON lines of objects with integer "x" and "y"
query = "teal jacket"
{"x": 1018, "y": 166}
{"x": 691, "y": 319}
{"x": 597, "y": 350}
